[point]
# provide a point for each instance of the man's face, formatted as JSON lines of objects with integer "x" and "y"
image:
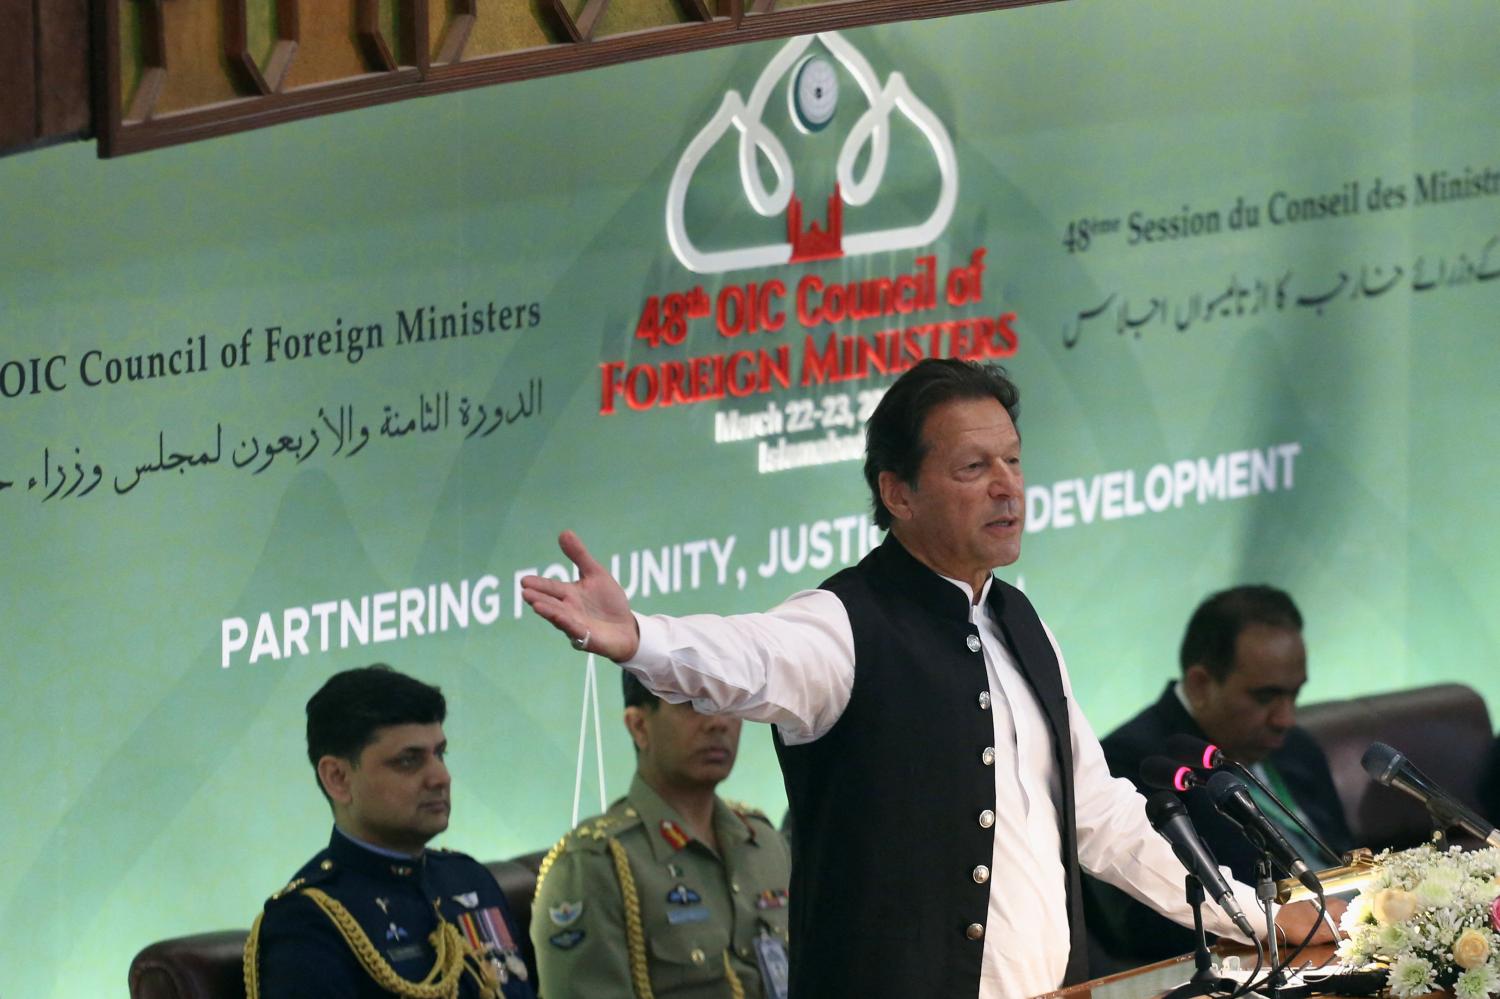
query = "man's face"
{"x": 396, "y": 794}
{"x": 1249, "y": 712}
{"x": 680, "y": 748}
{"x": 966, "y": 513}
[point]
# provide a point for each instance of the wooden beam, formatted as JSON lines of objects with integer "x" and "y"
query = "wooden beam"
{"x": 63, "y": 58}
{"x": 140, "y": 130}
{"x": 18, "y": 118}
{"x": 461, "y": 18}
{"x": 153, "y": 60}
{"x": 254, "y": 78}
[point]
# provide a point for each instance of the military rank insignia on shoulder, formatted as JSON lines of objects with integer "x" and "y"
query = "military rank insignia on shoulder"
{"x": 746, "y": 810}
{"x": 318, "y": 872}
{"x": 444, "y": 855}
{"x": 291, "y": 886}
{"x": 603, "y": 828}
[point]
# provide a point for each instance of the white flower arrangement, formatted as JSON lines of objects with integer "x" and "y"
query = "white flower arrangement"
{"x": 1433, "y": 918}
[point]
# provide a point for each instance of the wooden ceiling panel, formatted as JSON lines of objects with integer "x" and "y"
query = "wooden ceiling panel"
{"x": 181, "y": 70}
{"x": 198, "y": 69}
{"x": 18, "y": 125}
{"x": 329, "y": 49}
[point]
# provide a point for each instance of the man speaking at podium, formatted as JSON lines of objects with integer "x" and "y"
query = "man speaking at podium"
{"x": 945, "y": 789}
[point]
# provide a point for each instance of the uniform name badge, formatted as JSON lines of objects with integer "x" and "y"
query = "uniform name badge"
{"x": 770, "y": 954}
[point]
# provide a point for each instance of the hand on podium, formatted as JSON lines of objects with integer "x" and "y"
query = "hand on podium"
{"x": 593, "y": 612}
{"x": 1297, "y": 918}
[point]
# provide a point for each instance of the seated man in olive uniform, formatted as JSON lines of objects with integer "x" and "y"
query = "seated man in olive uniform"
{"x": 674, "y": 892}
{"x": 377, "y": 913}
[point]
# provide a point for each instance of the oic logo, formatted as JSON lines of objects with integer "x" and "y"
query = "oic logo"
{"x": 807, "y": 69}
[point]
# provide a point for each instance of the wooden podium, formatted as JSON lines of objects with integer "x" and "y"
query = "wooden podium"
{"x": 1153, "y": 980}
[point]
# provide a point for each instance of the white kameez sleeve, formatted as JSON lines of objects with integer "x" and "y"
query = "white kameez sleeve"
{"x": 792, "y": 666}
{"x": 1117, "y": 844}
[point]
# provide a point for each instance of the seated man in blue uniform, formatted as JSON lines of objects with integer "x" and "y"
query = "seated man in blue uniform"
{"x": 1243, "y": 663}
{"x": 377, "y": 913}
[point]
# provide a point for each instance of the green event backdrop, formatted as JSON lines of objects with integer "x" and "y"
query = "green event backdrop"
{"x": 1331, "y": 365}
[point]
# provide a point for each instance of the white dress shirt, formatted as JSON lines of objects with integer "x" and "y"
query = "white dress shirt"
{"x": 793, "y": 666}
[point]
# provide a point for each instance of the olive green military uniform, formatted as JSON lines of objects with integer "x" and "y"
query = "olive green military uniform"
{"x": 631, "y": 904}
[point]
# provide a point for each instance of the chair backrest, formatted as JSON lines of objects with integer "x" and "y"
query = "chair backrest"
{"x": 201, "y": 966}
{"x": 209, "y": 966}
{"x": 1443, "y": 729}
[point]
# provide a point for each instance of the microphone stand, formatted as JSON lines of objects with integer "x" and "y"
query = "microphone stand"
{"x": 1205, "y": 981}
{"x": 1265, "y": 891}
{"x": 1442, "y": 819}
{"x": 1439, "y": 838}
{"x": 1249, "y": 775}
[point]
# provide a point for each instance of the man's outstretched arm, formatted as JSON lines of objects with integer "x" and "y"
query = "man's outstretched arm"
{"x": 593, "y": 612}
{"x": 792, "y": 666}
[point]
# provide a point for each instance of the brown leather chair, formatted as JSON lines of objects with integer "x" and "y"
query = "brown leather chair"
{"x": 1443, "y": 729}
{"x": 201, "y": 966}
{"x": 209, "y": 965}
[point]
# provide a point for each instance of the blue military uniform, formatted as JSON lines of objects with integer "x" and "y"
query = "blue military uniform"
{"x": 358, "y": 923}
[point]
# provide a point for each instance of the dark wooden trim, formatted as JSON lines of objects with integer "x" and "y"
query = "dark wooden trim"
{"x": 416, "y": 27}
{"x": 154, "y": 58}
{"x": 259, "y": 112}
{"x": 18, "y": 73}
{"x": 380, "y": 54}
{"x": 252, "y": 78}
{"x": 674, "y": 40}
{"x": 581, "y": 29}
{"x": 123, "y": 137}
{"x": 104, "y": 80}
{"x": 456, "y": 33}
{"x": 376, "y": 49}
{"x": 63, "y": 55}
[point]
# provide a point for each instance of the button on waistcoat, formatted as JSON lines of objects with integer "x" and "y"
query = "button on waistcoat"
{"x": 894, "y": 807}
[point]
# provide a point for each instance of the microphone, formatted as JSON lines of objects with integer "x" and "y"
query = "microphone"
{"x": 1168, "y": 775}
{"x": 1391, "y": 768}
{"x": 1195, "y": 752}
{"x": 1205, "y": 755}
{"x": 1170, "y": 818}
{"x": 1232, "y": 800}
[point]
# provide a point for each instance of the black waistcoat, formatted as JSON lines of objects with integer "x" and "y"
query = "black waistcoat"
{"x": 885, "y": 807}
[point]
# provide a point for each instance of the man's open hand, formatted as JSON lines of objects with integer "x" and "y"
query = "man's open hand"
{"x": 593, "y": 612}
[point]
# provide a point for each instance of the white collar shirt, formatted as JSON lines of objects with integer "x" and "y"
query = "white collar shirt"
{"x": 793, "y": 666}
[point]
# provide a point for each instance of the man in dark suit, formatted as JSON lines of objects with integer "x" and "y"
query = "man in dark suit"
{"x": 1243, "y": 663}
{"x": 1489, "y": 784}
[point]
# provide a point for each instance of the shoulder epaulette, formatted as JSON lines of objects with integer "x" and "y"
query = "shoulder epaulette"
{"x": 442, "y": 854}
{"x": 746, "y": 811}
{"x": 593, "y": 834}
{"x": 291, "y": 886}
{"x": 310, "y": 876}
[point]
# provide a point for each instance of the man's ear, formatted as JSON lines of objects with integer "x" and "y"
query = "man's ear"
{"x": 1195, "y": 684}
{"x": 635, "y": 724}
{"x": 895, "y": 493}
{"x": 335, "y": 774}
